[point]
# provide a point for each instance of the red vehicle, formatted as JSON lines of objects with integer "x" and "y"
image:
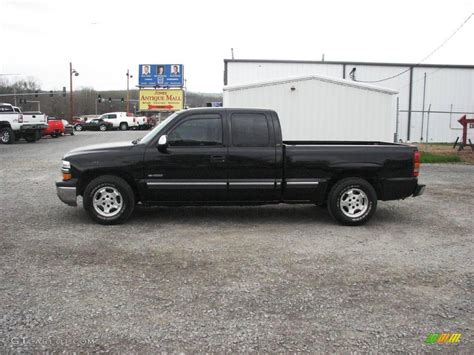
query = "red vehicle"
{"x": 55, "y": 128}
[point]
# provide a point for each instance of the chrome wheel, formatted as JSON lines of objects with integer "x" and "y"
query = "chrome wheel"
{"x": 103, "y": 128}
{"x": 353, "y": 202}
{"x": 107, "y": 201}
{"x": 5, "y": 137}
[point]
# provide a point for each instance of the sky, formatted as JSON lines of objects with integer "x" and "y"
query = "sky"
{"x": 105, "y": 38}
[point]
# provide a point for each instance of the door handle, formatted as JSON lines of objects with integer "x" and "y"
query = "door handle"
{"x": 217, "y": 158}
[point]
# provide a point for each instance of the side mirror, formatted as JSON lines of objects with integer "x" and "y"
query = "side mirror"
{"x": 163, "y": 143}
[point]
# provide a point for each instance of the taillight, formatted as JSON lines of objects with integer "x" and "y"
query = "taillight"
{"x": 416, "y": 163}
{"x": 20, "y": 118}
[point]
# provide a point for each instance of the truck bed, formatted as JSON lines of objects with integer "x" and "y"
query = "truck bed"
{"x": 358, "y": 143}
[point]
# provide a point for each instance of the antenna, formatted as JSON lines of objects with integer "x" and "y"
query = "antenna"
{"x": 232, "y": 52}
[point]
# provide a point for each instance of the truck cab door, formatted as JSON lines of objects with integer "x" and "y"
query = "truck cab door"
{"x": 253, "y": 168}
{"x": 193, "y": 167}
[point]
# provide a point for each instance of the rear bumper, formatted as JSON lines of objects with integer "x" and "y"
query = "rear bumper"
{"x": 419, "y": 190}
{"x": 29, "y": 127}
{"x": 400, "y": 188}
{"x": 67, "y": 192}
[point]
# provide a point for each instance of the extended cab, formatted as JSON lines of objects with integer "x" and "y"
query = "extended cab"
{"x": 219, "y": 156}
{"x": 13, "y": 125}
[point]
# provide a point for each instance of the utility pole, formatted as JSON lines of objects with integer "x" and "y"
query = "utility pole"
{"x": 71, "y": 94}
{"x": 423, "y": 109}
{"x": 185, "y": 91}
{"x": 128, "y": 90}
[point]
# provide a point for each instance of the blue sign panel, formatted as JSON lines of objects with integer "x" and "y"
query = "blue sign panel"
{"x": 160, "y": 75}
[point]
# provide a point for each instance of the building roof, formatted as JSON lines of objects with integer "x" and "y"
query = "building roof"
{"x": 295, "y": 79}
{"x": 422, "y": 65}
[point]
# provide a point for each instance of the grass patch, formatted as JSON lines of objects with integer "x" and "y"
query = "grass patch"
{"x": 427, "y": 157}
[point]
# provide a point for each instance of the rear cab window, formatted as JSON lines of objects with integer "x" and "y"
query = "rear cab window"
{"x": 250, "y": 130}
{"x": 6, "y": 108}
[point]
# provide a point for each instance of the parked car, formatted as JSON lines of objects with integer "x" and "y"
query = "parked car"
{"x": 218, "y": 156}
{"x": 78, "y": 124}
{"x": 120, "y": 120}
{"x": 12, "y": 127}
{"x": 55, "y": 128}
{"x": 96, "y": 124}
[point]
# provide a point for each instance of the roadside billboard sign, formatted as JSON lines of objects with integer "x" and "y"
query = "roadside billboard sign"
{"x": 160, "y": 75}
{"x": 161, "y": 100}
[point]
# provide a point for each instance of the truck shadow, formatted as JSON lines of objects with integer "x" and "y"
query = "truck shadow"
{"x": 233, "y": 214}
{"x": 245, "y": 215}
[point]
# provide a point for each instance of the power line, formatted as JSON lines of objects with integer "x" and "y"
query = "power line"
{"x": 425, "y": 58}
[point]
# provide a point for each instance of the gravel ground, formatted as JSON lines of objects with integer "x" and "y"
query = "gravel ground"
{"x": 271, "y": 278}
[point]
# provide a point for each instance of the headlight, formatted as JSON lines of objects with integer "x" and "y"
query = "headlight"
{"x": 66, "y": 165}
{"x": 65, "y": 169}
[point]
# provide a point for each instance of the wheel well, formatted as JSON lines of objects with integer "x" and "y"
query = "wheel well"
{"x": 88, "y": 176}
{"x": 371, "y": 178}
{"x": 5, "y": 124}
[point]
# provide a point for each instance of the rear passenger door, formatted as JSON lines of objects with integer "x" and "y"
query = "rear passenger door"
{"x": 252, "y": 166}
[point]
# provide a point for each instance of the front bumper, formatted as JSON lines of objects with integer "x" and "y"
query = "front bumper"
{"x": 67, "y": 191}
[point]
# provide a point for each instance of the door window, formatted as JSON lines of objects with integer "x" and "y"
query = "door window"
{"x": 206, "y": 131}
{"x": 250, "y": 130}
{"x": 112, "y": 116}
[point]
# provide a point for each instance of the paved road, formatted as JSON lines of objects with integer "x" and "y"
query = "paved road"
{"x": 271, "y": 278}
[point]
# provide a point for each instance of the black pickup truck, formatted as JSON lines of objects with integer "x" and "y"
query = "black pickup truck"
{"x": 223, "y": 156}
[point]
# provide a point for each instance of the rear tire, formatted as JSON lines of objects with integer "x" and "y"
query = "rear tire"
{"x": 352, "y": 201}
{"x": 30, "y": 137}
{"x": 123, "y": 126}
{"x": 6, "y": 135}
{"x": 55, "y": 135}
{"x": 109, "y": 199}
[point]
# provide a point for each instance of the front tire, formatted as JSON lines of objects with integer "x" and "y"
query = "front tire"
{"x": 109, "y": 199}
{"x": 123, "y": 126}
{"x": 6, "y": 135}
{"x": 103, "y": 127}
{"x": 352, "y": 201}
{"x": 78, "y": 127}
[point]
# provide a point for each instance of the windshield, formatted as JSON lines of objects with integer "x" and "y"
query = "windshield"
{"x": 147, "y": 138}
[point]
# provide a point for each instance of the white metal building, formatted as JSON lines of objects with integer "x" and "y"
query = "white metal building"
{"x": 447, "y": 95}
{"x": 350, "y": 110}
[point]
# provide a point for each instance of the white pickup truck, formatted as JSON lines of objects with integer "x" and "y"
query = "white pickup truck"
{"x": 119, "y": 120}
{"x": 35, "y": 117}
{"x": 13, "y": 127}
